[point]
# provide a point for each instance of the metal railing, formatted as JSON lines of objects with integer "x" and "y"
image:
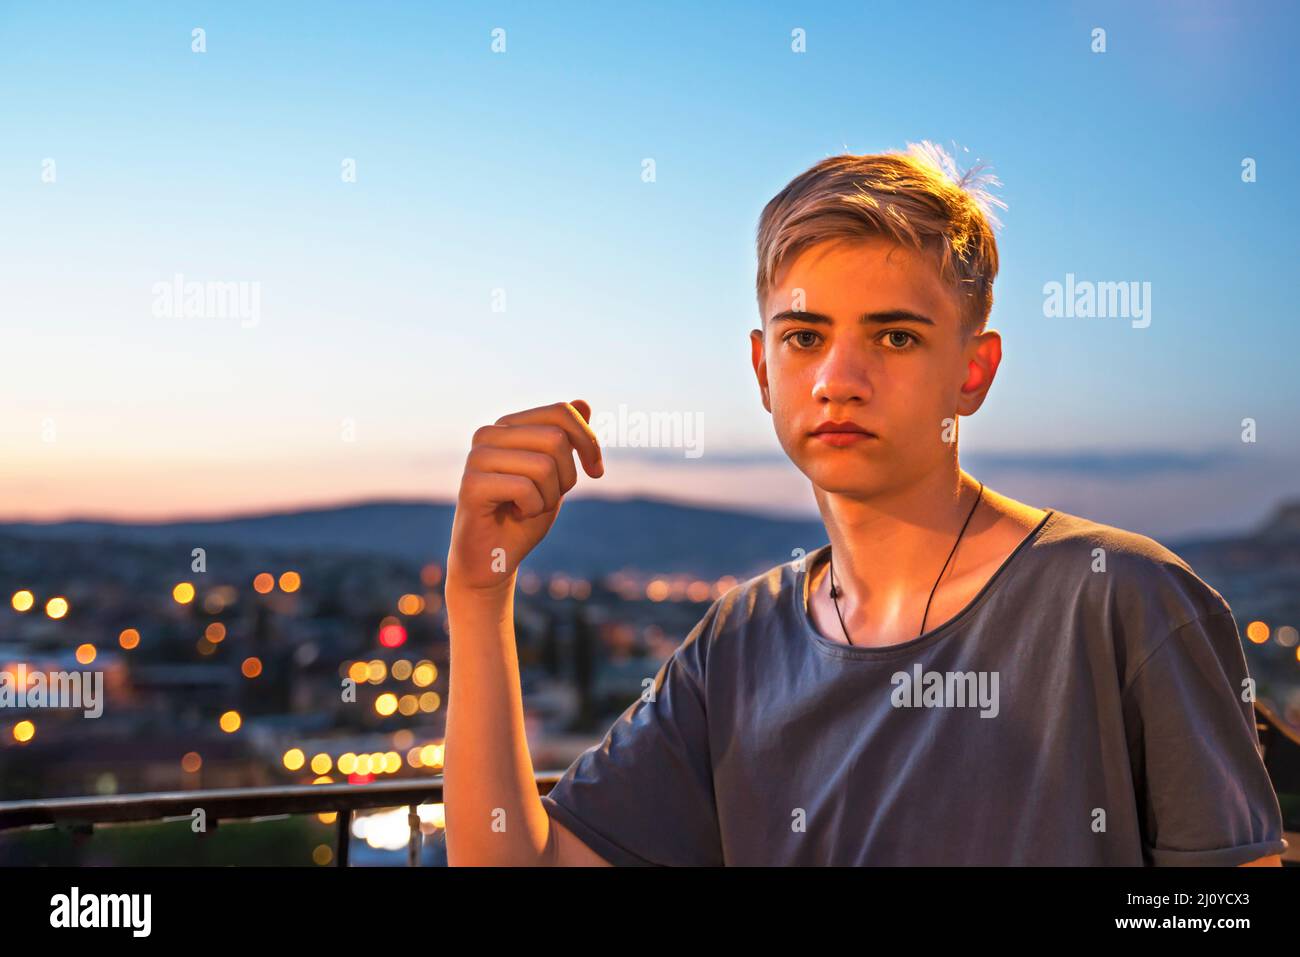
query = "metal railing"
{"x": 81, "y": 815}
{"x": 1279, "y": 747}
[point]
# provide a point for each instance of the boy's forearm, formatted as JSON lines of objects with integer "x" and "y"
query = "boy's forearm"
{"x": 493, "y": 813}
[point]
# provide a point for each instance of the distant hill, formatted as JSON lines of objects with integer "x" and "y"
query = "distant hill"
{"x": 1272, "y": 545}
{"x": 592, "y": 536}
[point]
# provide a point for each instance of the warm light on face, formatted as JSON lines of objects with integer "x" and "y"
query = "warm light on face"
{"x": 864, "y": 355}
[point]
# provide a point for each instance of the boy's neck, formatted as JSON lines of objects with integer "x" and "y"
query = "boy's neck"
{"x": 895, "y": 540}
{"x": 888, "y": 551}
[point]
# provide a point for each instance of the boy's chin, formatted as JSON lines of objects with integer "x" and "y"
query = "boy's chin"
{"x": 852, "y": 478}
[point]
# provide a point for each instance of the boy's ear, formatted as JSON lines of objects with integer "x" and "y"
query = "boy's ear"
{"x": 760, "y": 365}
{"x": 984, "y": 354}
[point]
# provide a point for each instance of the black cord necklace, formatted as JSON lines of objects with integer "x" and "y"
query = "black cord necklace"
{"x": 835, "y": 592}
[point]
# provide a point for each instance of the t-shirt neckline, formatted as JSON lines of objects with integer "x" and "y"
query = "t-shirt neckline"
{"x": 840, "y": 650}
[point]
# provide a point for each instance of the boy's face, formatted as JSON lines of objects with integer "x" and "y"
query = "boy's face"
{"x": 898, "y": 373}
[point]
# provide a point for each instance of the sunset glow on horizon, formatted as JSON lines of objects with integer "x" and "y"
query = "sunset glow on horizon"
{"x": 329, "y": 317}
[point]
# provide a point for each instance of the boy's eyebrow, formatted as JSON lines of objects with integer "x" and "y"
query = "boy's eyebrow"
{"x": 817, "y": 318}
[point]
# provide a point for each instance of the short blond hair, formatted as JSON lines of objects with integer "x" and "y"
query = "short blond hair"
{"x": 916, "y": 198}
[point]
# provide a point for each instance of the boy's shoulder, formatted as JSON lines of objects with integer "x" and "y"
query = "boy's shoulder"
{"x": 770, "y": 589}
{"x": 1126, "y": 564}
{"x": 764, "y": 598}
{"x": 1126, "y": 590}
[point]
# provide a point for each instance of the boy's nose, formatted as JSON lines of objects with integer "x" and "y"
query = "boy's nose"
{"x": 843, "y": 377}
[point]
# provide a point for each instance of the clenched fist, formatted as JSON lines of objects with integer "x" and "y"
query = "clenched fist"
{"x": 516, "y": 476}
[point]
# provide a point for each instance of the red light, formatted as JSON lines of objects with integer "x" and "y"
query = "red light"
{"x": 392, "y": 636}
{"x": 360, "y": 778}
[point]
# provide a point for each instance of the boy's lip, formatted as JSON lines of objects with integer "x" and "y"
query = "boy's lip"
{"x": 832, "y": 427}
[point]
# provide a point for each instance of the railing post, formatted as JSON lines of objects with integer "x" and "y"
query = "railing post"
{"x": 344, "y": 836}
{"x": 413, "y": 846}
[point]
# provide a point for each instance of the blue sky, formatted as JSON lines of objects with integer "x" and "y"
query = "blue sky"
{"x": 521, "y": 171}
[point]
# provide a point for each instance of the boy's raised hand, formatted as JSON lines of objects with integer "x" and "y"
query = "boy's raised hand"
{"x": 516, "y": 475}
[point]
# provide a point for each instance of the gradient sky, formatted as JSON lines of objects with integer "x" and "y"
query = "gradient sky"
{"x": 522, "y": 171}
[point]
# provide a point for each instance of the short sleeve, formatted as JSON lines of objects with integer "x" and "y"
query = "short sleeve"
{"x": 1204, "y": 795}
{"x": 644, "y": 795}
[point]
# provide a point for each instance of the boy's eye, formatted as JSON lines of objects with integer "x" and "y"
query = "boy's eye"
{"x": 803, "y": 343}
{"x": 907, "y": 339}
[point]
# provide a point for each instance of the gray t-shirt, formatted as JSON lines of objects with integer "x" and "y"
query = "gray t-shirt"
{"x": 1090, "y": 706}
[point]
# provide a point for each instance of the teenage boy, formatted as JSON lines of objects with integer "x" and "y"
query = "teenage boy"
{"x": 956, "y": 677}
